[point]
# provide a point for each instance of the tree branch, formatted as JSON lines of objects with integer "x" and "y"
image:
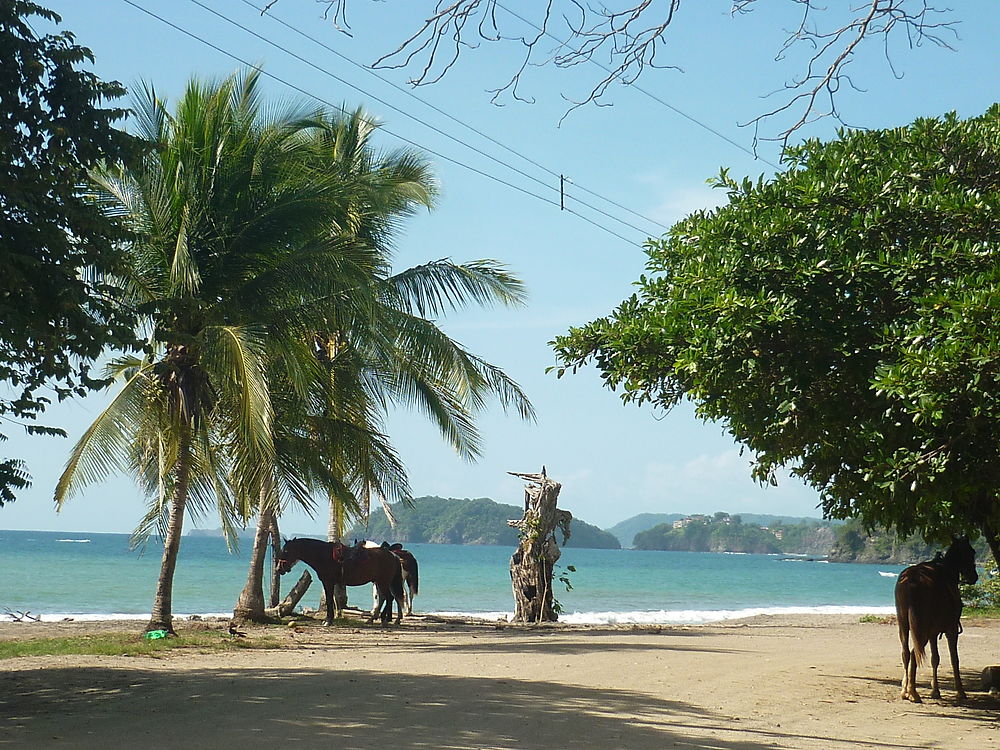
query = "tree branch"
{"x": 630, "y": 38}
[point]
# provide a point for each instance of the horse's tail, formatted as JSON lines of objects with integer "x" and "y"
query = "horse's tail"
{"x": 413, "y": 572}
{"x": 918, "y": 636}
{"x": 397, "y": 578}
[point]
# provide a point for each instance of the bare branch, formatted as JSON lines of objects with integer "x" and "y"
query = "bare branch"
{"x": 628, "y": 38}
{"x": 813, "y": 95}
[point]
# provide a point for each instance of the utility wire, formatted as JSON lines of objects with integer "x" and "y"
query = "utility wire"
{"x": 407, "y": 114}
{"x": 640, "y": 89}
{"x": 320, "y": 99}
{"x": 266, "y": 11}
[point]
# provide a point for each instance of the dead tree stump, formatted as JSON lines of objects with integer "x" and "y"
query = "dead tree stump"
{"x": 532, "y": 563}
{"x": 288, "y": 604}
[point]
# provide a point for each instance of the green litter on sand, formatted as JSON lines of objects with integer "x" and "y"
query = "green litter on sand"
{"x": 155, "y": 634}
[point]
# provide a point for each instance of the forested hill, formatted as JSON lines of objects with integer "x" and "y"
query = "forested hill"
{"x": 853, "y": 543}
{"x": 627, "y": 529}
{"x": 438, "y": 520}
{"x": 725, "y": 533}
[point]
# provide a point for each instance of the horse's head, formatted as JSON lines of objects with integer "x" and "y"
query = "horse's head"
{"x": 287, "y": 558}
{"x": 962, "y": 557}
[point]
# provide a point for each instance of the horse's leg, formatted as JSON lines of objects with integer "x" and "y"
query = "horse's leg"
{"x": 911, "y": 678}
{"x": 953, "y": 651}
{"x": 376, "y": 599}
{"x": 331, "y": 602}
{"x": 904, "y": 692}
{"x": 384, "y": 601}
{"x": 908, "y": 688}
{"x": 935, "y": 660}
{"x": 379, "y": 597}
{"x": 408, "y": 593}
{"x": 386, "y": 611}
{"x": 396, "y": 589}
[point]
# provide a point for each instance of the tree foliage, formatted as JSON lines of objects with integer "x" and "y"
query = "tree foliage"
{"x": 841, "y": 319}
{"x": 57, "y": 248}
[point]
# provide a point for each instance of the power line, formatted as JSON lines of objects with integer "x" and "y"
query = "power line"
{"x": 320, "y": 99}
{"x": 403, "y": 112}
{"x": 640, "y": 89}
{"x": 267, "y": 12}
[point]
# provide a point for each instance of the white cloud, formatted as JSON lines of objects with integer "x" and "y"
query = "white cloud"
{"x": 721, "y": 481}
{"x": 676, "y": 203}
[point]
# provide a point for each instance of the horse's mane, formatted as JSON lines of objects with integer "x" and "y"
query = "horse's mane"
{"x": 308, "y": 541}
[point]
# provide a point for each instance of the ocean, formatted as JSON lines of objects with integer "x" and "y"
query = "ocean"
{"x": 96, "y": 576}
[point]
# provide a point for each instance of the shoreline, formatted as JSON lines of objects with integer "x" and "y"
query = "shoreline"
{"x": 640, "y": 618}
{"x": 792, "y": 682}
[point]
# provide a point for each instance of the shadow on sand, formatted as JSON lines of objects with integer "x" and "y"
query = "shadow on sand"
{"x": 155, "y": 707}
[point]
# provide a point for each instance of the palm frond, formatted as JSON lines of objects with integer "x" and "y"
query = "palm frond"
{"x": 435, "y": 288}
{"x": 106, "y": 446}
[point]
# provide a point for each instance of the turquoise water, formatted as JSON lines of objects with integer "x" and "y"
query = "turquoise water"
{"x": 72, "y": 574}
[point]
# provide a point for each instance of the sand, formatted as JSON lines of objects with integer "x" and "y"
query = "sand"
{"x": 792, "y": 682}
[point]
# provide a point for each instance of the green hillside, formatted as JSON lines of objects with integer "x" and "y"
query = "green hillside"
{"x": 438, "y": 520}
{"x": 854, "y": 543}
{"x": 627, "y": 529}
{"x": 725, "y": 533}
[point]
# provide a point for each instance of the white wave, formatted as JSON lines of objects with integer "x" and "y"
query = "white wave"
{"x": 102, "y": 616}
{"x": 491, "y": 616}
{"x": 887, "y": 574}
{"x": 697, "y": 617}
{"x": 682, "y": 617}
{"x": 78, "y": 541}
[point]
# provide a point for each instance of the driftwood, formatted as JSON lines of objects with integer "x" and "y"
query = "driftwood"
{"x": 19, "y": 616}
{"x": 532, "y": 563}
{"x": 289, "y": 603}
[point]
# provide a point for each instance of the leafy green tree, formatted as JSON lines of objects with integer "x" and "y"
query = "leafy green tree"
{"x": 841, "y": 319}
{"x": 230, "y": 250}
{"x": 56, "y": 247}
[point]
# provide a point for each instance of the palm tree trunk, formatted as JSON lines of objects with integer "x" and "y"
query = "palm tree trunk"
{"x": 250, "y": 606}
{"x": 275, "y": 597}
{"x": 162, "y": 615}
{"x": 334, "y": 532}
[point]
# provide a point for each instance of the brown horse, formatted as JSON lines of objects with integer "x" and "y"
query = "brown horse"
{"x": 338, "y": 564}
{"x": 408, "y": 563}
{"x": 928, "y": 604}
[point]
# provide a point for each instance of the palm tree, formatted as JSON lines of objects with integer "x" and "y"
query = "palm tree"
{"x": 395, "y": 355}
{"x": 229, "y": 238}
{"x": 389, "y": 354}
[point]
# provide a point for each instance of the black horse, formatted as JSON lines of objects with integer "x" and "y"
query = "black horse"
{"x": 338, "y": 564}
{"x": 928, "y": 604}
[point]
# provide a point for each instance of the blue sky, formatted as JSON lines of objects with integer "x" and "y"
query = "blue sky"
{"x": 614, "y": 461}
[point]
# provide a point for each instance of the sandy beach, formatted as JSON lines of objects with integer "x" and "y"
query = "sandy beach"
{"x": 820, "y": 683}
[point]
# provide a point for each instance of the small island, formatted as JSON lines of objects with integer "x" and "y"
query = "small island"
{"x": 438, "y": 520}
